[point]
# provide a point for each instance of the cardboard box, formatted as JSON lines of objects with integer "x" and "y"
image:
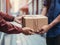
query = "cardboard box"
{"x": 34, "y": 21}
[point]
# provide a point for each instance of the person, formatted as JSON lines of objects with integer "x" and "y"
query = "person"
{"x": 51, "y": 9}
{"x": 19, "y": 7}
{"x": 7, "y": 27}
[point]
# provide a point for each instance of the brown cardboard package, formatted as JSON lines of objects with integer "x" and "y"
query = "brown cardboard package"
{"x": 34, "y": 21}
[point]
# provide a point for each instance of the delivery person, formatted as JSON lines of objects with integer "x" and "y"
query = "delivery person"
{"x": 52, "y": 10}
{"x": 7, "y": 27}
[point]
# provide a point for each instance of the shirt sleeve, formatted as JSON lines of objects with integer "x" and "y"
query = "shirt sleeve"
{"x": 6, "y": 16}
{"x": 8, "y": 28}
{"x": 45, "y": 3}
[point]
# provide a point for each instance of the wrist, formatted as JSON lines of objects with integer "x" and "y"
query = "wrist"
{"x": 22, "y": 30}
{"x": 50, "y": 25}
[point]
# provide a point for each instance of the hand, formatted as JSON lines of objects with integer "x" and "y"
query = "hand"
{"x": 44, "y": 29}
{"x": 27, "y": 31}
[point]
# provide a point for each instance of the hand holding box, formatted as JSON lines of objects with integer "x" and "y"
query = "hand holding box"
{"x": 34, "y": 21}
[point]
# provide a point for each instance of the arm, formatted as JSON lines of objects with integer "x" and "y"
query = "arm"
{"x": 44, "y": 11}
{"x": 45, "y": 28}
{"x": 8, "y": 27}
{"x": 54, "y": 22}
{"x": 6, "y": 16}
{"x": 12, "y": 29}
{"x": 45, "y": 7}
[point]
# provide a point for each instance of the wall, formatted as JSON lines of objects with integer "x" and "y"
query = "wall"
{"x": 3, "y": 5}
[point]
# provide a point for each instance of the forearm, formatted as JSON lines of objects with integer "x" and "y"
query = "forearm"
{"x": 44, "y": 11}
{"x": 54, "y": 22}
{"x": 9, "y": 28}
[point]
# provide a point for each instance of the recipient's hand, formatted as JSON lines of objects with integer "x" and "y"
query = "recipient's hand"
{"x": 27, "y": 31}
{"x": 44, "y": 29}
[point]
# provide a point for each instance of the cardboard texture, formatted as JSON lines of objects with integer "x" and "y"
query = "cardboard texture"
{"x": 34, "y": 21}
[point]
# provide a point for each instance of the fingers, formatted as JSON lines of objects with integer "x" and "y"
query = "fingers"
{"x": 31, "y": 33}
{"x": 31, "y": 30}
{"x": 28, "y": 31}
{"x": 41, "y": 31}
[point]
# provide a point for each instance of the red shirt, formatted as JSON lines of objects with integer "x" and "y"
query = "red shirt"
{"x": 6, "y": 26}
